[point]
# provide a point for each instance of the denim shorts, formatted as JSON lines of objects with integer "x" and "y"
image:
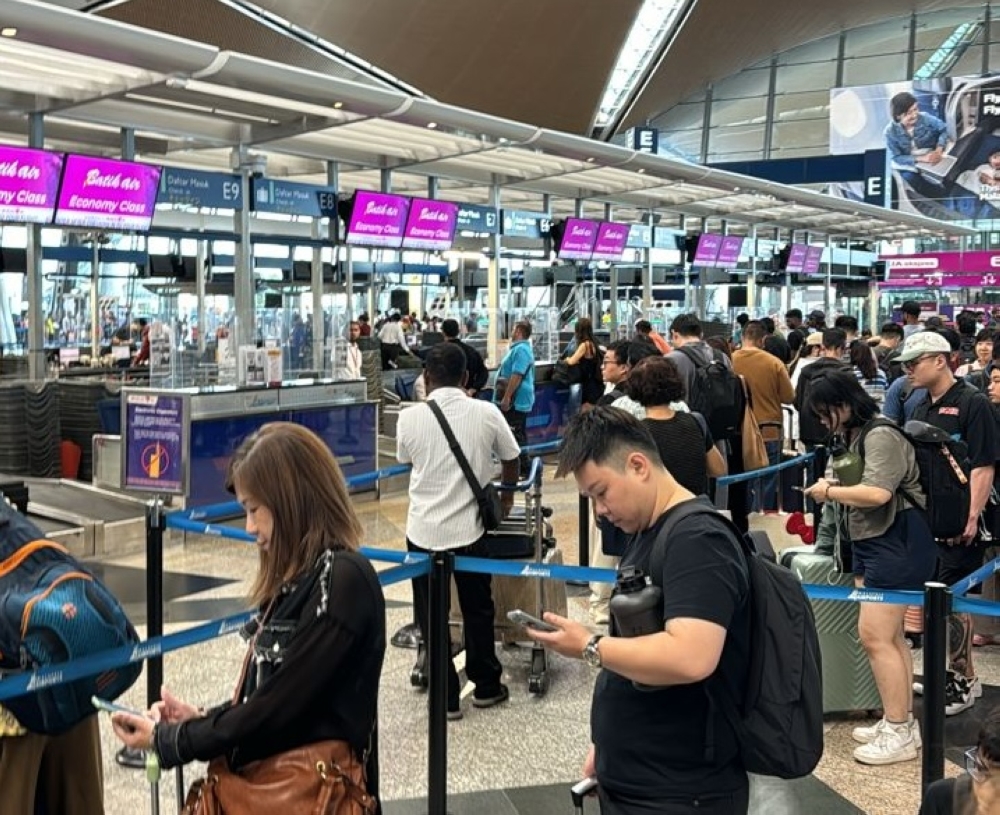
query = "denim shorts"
{"x": 903, "y": 557}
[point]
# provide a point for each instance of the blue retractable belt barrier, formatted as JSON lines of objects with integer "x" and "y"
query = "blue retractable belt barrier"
{"x": 753, "y": 475}
{"x": 981, "y": 575}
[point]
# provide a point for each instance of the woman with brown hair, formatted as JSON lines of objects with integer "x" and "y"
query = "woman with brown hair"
{"x": 310, "y": 679}
{"x": 589, "y": 357}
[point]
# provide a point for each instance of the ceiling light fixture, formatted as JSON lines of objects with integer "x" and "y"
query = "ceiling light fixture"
{"x": 8, "y": 31}
{"x": 432, "y": 125}
{"x": 338, "y": 105}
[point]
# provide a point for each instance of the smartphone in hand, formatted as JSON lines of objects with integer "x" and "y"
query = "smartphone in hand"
{"x": 529, "y": 621}
{"x": 111, "y": 707}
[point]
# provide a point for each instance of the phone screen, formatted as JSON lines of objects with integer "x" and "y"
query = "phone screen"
{"x": 111, "y": 707}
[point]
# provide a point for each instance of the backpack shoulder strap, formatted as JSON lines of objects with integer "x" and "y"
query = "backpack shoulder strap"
{"x": 696, "y": 359}
{"x": 697, "y": 506}
{"x": 881, "y": 422}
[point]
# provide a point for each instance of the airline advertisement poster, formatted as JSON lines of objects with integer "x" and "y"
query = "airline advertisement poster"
{"x": 154, "y": 442}
{"x": 940, "y": 136}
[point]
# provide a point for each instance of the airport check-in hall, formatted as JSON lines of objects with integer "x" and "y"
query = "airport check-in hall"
{"x": 342, "y": 342}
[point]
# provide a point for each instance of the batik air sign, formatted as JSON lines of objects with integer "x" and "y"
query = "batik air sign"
{"x": 951, "y": 270}
{"x": 99, "y": 193}
{"x": 29, "y": 180}
{"x": 430, "y": 225}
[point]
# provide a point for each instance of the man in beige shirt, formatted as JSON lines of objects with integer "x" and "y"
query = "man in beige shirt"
{"x": 770, "y": 387}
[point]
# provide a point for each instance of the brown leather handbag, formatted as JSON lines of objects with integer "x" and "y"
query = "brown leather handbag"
{"x": 325, "y": 778}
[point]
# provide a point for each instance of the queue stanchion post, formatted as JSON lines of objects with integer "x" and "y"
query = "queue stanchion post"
{"x": 439, "y": 652}
{"x": 156, "y": 522}
{"x": 937, "y": 608}
{"x": 584, "y": 537}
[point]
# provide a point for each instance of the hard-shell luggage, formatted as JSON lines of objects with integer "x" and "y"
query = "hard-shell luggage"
{"x": 848, "y": 683}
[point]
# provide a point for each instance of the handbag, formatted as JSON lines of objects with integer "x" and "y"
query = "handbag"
{"x": 488, "y": 497}
{"x": 324, "y": 778}
{"x": 754, "y": 452}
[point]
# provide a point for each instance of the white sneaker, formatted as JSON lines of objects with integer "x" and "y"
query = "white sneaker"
{"x": 977, "y": 687}
{"x": 892, "y": 744}
{"x": 866, "y": 735}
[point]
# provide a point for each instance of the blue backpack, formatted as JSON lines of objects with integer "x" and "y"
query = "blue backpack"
{"x": 52, "y": 610}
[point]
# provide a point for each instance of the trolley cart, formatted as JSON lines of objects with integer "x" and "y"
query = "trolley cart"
{"x": 524, "y": 535}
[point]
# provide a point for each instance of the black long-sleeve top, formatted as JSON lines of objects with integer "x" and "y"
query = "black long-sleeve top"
{"x": 314, "y": 676}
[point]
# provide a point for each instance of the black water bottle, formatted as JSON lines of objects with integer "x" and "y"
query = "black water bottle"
{"x": 637, "y": 605}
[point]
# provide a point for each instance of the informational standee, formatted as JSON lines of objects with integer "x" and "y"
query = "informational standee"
{"x": 155, "y": 431}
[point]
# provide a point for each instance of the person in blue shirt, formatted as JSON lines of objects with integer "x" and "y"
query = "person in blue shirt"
{"x": 913, "y": 135}
{"x": 901, "y": 400}
{"x": 515, "y": 390}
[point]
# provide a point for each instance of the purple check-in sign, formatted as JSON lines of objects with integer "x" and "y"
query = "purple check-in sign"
{"x": 154, "y": 443}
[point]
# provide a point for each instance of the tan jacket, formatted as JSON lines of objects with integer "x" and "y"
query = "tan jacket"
{"x": 769, "y": 384}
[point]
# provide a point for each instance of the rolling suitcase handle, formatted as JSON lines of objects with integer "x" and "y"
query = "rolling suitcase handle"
{"x": 580, "y": 791}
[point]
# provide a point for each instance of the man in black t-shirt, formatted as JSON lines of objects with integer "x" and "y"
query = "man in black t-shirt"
{"x": 663, "y": 748}
{"x": 965, "y": 414}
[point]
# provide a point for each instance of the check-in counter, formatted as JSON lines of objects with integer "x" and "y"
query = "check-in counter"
{"x": 222, "y": 417}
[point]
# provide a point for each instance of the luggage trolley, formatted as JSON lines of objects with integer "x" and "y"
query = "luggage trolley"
{"x": 524, "y": 535}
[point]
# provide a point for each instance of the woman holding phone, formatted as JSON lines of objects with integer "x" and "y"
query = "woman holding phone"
{"x": 311, "y": 674}
{"x": 893, "y": 548}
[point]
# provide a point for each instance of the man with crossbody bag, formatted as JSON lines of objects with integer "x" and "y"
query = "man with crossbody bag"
{"x": 443, "y": 439}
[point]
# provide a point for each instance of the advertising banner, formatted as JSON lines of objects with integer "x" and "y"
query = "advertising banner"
{"x": 154, "y": 442}
{"x": 103, "y": 193}
{"x": 943, "y": 270}
{"x": 939, "y": 134}
{"x": 29, "y": 181}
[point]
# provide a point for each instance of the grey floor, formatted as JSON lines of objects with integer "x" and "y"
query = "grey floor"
{"x": 518, "y": 758}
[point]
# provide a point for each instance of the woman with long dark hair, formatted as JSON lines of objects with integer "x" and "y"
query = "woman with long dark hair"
{"x": 893, "y": 547}
{"x": 589, "y": 358}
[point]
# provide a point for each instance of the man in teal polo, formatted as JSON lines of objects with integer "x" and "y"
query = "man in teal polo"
{"x": 515, "y": 391}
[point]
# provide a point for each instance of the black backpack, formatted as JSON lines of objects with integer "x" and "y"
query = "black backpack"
{"x": 716, "y": 394}
{"x": 779, "y": 722}
{"x": 944, "y": 478}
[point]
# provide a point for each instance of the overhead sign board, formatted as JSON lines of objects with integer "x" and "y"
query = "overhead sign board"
{"x": 520, "y": 224}
{"x": 29, "y": 180}
{"x": 195, "y": 188}
{"x": 474, "y": 218}
{"x": 292, "y": 198}
{"x": 640, "y": 236}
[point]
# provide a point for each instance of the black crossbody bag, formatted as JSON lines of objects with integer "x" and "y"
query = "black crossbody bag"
{"x": 488, "y": 498}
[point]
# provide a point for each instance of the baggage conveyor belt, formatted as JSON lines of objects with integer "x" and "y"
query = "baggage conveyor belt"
{"x": 90, "y": 522}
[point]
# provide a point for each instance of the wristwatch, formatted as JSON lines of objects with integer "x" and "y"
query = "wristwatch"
{"x": 591, "y": 653}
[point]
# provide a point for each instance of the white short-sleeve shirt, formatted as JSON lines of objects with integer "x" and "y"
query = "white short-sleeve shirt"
{"x": 443, "y": 513}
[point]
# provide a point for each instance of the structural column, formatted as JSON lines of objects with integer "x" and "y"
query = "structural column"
{"x": 36, "y": 312}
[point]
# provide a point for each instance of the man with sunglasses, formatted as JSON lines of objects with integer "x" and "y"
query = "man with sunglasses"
{"x": 964, "y": 413}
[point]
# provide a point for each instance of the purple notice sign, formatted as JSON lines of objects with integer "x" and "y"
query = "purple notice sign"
{"x": 154, "y": 443}
{"x": 377, "y": 219}
{"x": 611, "y": 241}
{"x": 578, "y": 239}
{"x": 814, "y": 256}
{"x": 796, "y": 258}
{"x": 729, "y": 252}
{"x": 708, "y": 250}
{"x": 102, "y": 193}
{"x": 431, "y": 225}
{"x": 29, "y": 181}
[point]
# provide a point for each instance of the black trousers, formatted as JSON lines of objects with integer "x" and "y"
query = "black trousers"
{"x": 736, "y": 803}
{"x": 518, "y": 421}
{"x": 475, "y": 598}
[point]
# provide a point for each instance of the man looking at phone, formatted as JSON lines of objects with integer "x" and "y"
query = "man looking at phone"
{"x": 664, "y": 749}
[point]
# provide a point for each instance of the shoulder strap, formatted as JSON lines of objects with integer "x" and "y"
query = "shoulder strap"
{"x": 697, "y": 506}
{"x": 881, "y": 422}
{"x": 456, "y": 449}
{"x": 696, "y": 359}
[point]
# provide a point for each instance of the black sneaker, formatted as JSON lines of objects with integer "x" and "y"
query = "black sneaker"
{"x": 501, "y": 695}
{"x": 454, "y": 714}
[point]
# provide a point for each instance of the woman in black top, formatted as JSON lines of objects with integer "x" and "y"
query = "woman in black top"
{"x": 588, "y": 357}
{"x": 317, "y": 643}
{"x": 685, "y": 443}
{"x": 977, "y": 792}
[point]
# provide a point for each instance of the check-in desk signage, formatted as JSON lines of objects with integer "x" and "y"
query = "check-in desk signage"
{"x": 520, "y": 224}
{"x": 195, "y": 188}
{"x": 291, "y": 198}
{"x": 481, "y": 220}
{"x": 640, "y": 236}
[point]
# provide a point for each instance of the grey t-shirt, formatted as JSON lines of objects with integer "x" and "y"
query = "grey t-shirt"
{"x": 891, "y": 464}
{"x": 685, "y": 367}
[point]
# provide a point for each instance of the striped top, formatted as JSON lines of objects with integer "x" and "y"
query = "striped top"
{"x": 876, "y": 387}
